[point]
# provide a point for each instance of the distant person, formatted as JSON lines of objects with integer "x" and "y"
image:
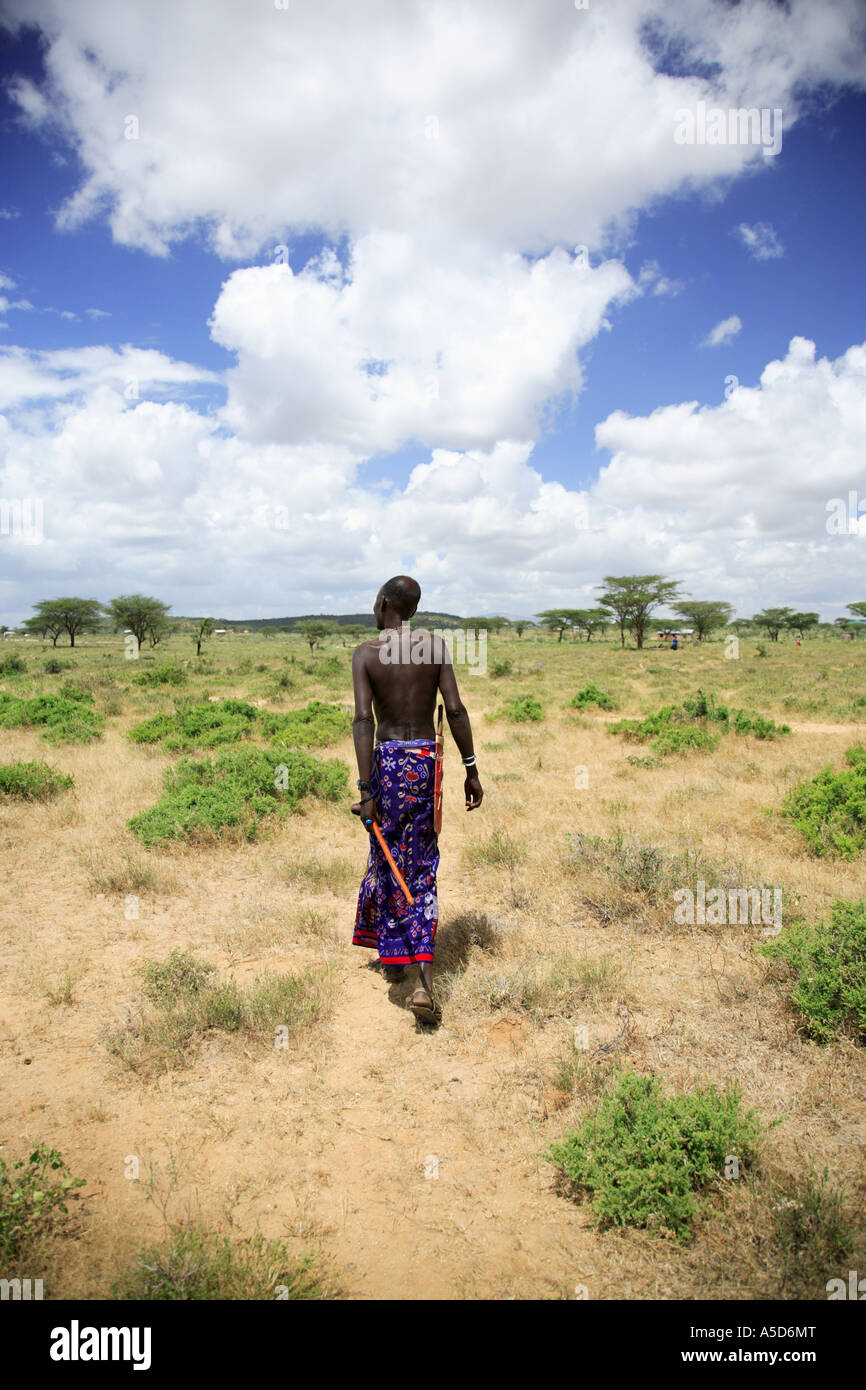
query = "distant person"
{"x": 674, "y": 644}
{"x": 396, "y": 679}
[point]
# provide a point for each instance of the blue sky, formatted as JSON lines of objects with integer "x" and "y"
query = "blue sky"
{"x": 638, "y": 353}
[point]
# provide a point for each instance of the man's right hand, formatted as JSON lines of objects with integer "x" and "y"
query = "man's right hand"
{"x": 473, "y": 792}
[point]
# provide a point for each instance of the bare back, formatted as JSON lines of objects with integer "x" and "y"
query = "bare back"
{"x": 398, "y": 677}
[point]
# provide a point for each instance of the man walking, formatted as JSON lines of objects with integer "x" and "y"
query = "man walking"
{"x": 396, "y": 679}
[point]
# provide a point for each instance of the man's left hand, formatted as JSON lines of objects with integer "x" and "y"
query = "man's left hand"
{"x": 366, "y": 809}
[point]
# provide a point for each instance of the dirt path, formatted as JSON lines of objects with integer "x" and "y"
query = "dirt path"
{"x": 419, "y": 1200}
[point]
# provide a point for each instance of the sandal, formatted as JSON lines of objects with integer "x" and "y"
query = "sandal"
{"x": 424, "y": 1008}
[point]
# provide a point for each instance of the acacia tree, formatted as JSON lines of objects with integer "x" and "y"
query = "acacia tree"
{"x": 159, "y": 628}
{"x": 43, "y": 625}
{"x": 71, "y": 615}
{"x": 559, "y": 620}
{"x": 704, "y": 615}
{"x": 773, "y": 620}
{"x": 632, "y": 598}
{"x": 314, "y": 631}
{"x": 801, "y": 622}
{"x": 858, "y": 609}
{"x": 202, "y": 632}
{"x": 144, "y": 617}
{"x": 590, "y": 620}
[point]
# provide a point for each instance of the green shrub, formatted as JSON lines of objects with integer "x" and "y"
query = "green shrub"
{"x": 198, "y": 725}
{"x": 830, "y": 809}
{"x": 314, "y": 726}
{"x": 11, "y": 664}
{"x": 169, "y": 673}
{"x": 60, "y": 718}
{"x": 53, "y": 666}
{"x": 192, "y": 1264}
{"x": 646, "y": 1158}
{"x": 679, "y": 728}
{"x": 155, "y": 729}
{"x": 33, "y": 1198}
{"x": 524, "y": 709}
{"x": 32, "y": 781}
{"x": 230, "y": 720}
{"x": 498, "y": 669}
{"x": 683, "y": 739}
{"x": 73, "y": 690}
{"x": 238, "y": 789}
{"x": 827, "y": 964}
{"x": 330, "y": 666}
{"x": 591, "y": 695}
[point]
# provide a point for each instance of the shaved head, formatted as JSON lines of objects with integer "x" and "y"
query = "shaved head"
{"x": 402, "y": 593}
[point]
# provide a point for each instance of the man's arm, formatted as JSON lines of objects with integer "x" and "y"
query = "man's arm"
{"x": 461, "y": 729}
{"x": 363, "y": 725}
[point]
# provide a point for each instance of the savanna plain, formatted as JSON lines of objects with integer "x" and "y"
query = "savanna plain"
{"x": 207, "y": 1092}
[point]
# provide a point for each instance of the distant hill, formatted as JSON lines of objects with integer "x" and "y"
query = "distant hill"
{"x": 339, "y": 619}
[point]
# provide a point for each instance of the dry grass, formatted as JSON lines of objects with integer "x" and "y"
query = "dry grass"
{"x": 555, "y": 969}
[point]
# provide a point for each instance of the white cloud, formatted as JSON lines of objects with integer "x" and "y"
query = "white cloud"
{"x": 404, "y": 348}
{"x": 760, "y": 240}
{"x": 652, "y": 278}
{"x": 724, "y": 332}
{"x": 28, "y": 376}
{"x": 510, "y": 126}
{"x": 730, "y": 499}
{"x": 459, "y": 152}
{"x": 739, "y": 491}
{"x": 5, "y": 303}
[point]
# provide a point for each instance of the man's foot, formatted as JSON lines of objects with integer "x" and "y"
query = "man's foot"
{"x": 423, "y": 1006}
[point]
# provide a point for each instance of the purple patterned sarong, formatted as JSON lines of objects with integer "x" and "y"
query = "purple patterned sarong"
{"x": 401, "y": 781}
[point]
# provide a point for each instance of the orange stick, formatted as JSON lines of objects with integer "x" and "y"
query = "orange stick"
{"x": 387, "y": 853}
